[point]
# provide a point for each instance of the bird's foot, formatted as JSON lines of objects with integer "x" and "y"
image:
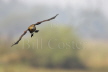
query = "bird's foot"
{"x": 31, "y": 34}
{"x": 36, "y": 31}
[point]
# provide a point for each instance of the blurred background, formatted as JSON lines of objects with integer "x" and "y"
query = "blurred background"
{"x": 75, "y": 41}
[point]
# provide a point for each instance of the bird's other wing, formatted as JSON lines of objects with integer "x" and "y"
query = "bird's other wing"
{"x": 46, "y": 20}
{"x": 20, "y": 38}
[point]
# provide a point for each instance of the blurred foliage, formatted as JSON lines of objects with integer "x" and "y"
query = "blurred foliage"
{"x": 52, "y": 47}
{"x": 94, "y": 54}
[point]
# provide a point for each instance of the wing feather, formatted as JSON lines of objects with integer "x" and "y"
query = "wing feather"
{"x": 46, "y": 20}
{"x": 20, "y": 38}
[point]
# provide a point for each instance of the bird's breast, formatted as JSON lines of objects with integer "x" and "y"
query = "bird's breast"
{"x": 32, "y": 29}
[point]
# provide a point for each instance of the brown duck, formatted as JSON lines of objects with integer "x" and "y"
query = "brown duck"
{"x": 32, "y": 29}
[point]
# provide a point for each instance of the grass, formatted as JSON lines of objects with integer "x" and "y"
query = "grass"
{"x": 94, "y": 54}
{"x": 23, "y": 68}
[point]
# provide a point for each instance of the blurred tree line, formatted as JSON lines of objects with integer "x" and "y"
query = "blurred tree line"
{"x": 52, "y": 47}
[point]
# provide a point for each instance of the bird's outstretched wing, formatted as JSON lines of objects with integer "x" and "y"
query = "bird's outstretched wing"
{"x": 20, "y": 38}
{"x": 46, "y": 20}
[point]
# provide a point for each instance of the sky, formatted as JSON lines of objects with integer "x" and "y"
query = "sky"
{"x": 60, "y": 3}
{"x": 66, "y": 4}
{"x": 93, "y": 4}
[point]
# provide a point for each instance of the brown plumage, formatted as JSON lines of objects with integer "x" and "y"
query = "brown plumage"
{"x": 32, "y": 29}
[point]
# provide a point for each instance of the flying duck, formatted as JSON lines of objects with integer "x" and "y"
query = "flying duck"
{"x": 32, "y": 29}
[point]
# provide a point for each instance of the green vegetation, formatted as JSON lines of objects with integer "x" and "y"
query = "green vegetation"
{"x": 54, "y": 48}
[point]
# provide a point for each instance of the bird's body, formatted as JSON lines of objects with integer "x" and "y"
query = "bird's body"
{"x": 32, "y": 29}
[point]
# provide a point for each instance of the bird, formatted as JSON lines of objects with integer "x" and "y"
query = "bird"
{"x": 32, "y": 29}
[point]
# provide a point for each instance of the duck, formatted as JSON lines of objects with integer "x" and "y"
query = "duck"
{"x": 32, "y": 29}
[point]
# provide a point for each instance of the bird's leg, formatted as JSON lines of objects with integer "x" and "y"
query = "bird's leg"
{"x": 36, "y": 31}
{"x": 31, "y": 34}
